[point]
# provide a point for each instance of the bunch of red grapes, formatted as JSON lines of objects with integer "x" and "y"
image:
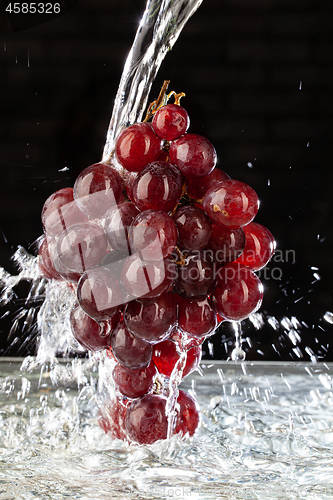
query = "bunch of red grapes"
{"x": 159, "y": 253}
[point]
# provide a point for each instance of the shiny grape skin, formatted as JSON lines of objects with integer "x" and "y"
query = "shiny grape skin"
{"x": 238, "y": 293}
{"x": 196, "y": 276}
{"x": 231, "y": 203}
{"x": 157, "y": 187}
{"x": 70, "y": 276}
{"x": 45, "y": 263}
{"x": 136, "y": 146}
{"x": 188, "y": 416}
{"x": 165, "y": 356}
{"x": 193, "y": 154}
{"x": 147, "y": 279}
{"x": 151, "y": 319}
{"x": 259, "y": 246}
{"x": 98, "y": 188}
{"x": 88, "y": 332}
{"x": 146, "y": 420}
{"x": 197, "y": 186}
{"x": 170, "y": 122}
{"x": 197, "y": 317}
{"x": 99, "y": 293}
{"x": 154, "y": 234}
{"x": 194, "y": 228}
{"x": 134, "y": 383}
{"x": 226, "y": 244}
{"x": 116, "y": 223}
{"x": 82, "y": 246}
{"x": 60, "y": 211}
{"x": 130, "y": 351}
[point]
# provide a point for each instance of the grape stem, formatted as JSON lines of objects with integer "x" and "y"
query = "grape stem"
{"x": 162, "y": 100}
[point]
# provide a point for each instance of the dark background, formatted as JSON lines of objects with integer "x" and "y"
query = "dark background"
{"x": 258, "y": 79}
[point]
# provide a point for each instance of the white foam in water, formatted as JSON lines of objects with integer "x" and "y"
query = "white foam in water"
{"x": 266, "y": 433}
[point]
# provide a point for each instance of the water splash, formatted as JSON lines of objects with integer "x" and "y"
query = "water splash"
{"x": 27, "y": 266}
{"x": 266, "y": 434}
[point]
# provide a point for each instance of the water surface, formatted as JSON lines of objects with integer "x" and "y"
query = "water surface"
{"x": 266, "y": 433}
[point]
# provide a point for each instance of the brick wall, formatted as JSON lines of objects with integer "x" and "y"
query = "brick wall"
{"x": 258, "y": 78}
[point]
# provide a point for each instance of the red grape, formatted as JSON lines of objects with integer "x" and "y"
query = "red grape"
{"x": 45, "y": 262}
{"x": 238, "y": 292}
{"x": 170, "y": 122}
{"x": 97, "y": 188}
{"x": 71, "y": 276}
{"x": 165, "y": 356}
{"x": 188, "y": 418}
{"x": 90, "y": 334}
{"x": 134, "y": 383}
{"x": 147, "y": 279}
{"x": 99, "y": 294}
{"x": 146, "y": 420}
{"x": 197, "y": 186}
{"x": 259, "y": 246}
{"x": 136, "y": 146}
{"x": 231, "y": 203}
{"x": 151, "y": 320}
{"x": 60, "y": 211}
{"x": 194, "y": 228}
{"x": 197, "y": 317}
{"x": 82, "y": 246}
{"x": 226, "y": 244}
{"x": 116, "y": 223}
{"x": 196, "y": 276}
{"x": 154, "y": 234}
{"x": 157, "y": 187}
{"x": 193, "y": 154}
{"x": 129, "y": 350}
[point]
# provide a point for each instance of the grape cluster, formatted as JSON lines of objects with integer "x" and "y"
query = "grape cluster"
{"x": 159, "y": 253}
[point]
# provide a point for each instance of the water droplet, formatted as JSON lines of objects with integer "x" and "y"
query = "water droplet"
{"x": 328, "y": 316}
{"x": 238, "y": 354}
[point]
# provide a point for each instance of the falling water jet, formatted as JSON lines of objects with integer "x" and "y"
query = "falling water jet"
{"x": 160, "y": 27}
{"x": 238, "y": 354}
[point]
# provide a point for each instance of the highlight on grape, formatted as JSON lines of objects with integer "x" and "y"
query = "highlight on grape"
{"x": 160, "y": 247}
